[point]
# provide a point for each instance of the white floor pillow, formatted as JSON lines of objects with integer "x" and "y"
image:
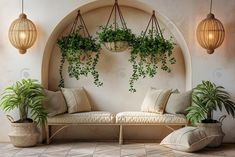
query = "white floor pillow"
{"x": 187, "y": 139}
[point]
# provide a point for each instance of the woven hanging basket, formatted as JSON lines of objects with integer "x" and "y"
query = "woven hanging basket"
{"x": 210, "y": 33}
{"x": 118, "y": 46}
{"x": 22, "y": 33}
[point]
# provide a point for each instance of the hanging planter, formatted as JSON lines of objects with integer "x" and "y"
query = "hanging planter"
{"x": 150, "y": 52}
{"x": 116, "y": 38}
{"x": 81, "y": 51}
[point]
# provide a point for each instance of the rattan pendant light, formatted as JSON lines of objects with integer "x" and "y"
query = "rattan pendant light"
{"x": 22, "y": 33}
{"x": 210, "y": 32}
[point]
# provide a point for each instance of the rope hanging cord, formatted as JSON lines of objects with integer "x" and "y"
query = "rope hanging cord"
{"x": 154, "y": 24}
{"x": 76, "y": 25}
{"x": 22, "y": 6}
{"x": 117, "y": 12}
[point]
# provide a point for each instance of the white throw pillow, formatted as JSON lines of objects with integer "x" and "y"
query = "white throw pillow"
{"x": 155, "y": 100}
{"x": 188, "y": 139}
{"x": 54, "y": 103}
{"x": 76, "y": 100}
{"x": 178, "y": 102}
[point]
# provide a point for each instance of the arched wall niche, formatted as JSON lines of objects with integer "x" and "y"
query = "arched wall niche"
{"x": 94, "y": 4}
{"x": 114, "y": 96}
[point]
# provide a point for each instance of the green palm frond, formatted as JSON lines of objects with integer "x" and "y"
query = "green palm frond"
{"x": 25, "y": 95}
{"x": 206, "y": 98}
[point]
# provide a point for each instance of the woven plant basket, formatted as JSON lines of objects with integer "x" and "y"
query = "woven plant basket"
{"x": 214, "y": 129}
{"x": 118, "y": 46}
{"x": 24, "y": 134}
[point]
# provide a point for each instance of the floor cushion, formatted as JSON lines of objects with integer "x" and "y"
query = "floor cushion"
{"x": 188, "y": 139}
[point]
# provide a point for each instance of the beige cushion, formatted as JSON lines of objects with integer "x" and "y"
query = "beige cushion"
{"x": 155, "y": 100}
{"x": 54, "y": 103}
{"x": 135, "y": 117}
{"x": 178, "y": 102}
{"x": 76, "y": 100}
{"x": 188, "y": 139}
{"x": 93, "y": 117}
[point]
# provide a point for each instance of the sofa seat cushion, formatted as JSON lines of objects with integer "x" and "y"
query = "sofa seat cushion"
{"x": 134, "y": 117}
{"x": 94, "y": 117}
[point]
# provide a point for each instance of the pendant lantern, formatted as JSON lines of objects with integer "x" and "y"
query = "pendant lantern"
{"x": 210, "y": 32}
{"x": 22, "y": 33}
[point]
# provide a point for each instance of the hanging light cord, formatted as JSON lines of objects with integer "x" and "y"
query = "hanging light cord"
{"x": 211, "y": 6}
{"x": 22, "y": 6}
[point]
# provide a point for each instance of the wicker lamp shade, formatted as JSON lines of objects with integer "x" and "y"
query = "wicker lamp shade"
{"x": 22, "y": 33}
{"x": 210, "y": 33}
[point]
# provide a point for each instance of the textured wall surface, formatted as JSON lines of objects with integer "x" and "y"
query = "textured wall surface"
{"x": 186, "y": 14}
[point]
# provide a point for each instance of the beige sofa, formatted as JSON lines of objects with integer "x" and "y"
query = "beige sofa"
{"x": 106, "y": 118}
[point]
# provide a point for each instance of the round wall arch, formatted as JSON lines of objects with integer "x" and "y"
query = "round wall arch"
{"x": 90, "y": 5}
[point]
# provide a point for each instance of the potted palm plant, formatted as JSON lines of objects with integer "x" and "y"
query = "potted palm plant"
{"x": 206, "y": 98}
{"x": 27, "y": 96}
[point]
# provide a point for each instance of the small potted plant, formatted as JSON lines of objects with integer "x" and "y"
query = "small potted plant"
{"x": 27, "y": 96}
{"x": 82, "y": 54}
{"x": 206, "y": 98}
{"x": 116, "y": 40}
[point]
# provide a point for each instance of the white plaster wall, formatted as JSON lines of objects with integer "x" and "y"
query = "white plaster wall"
{"x": 186, "y": 14}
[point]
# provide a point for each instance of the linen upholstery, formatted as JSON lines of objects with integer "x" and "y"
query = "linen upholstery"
{"x": 76, "y": 100}
{"x": 93, "y": 117}
{"x": 188, "y": 139}
{"x": 135, "y": 117}
{"x": 178, "y": 102}
{"x": 155, "y": 100}
{"x": 55, "y": 103}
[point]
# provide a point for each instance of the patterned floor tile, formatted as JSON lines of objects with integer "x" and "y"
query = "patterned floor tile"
{"x": 106, "y": 149}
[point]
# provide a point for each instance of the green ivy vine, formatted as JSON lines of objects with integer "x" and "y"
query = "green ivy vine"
{"x": 82, "y": 54}
{"x": 150, "y": 53}
{"x": 110, "y": 34}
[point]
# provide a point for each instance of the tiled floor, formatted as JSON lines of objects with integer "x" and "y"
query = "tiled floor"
{"x": 86, "y": 149}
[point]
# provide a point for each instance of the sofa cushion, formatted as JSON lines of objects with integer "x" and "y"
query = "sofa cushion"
{"x": 188, "y": 139}
{"x": 134, "y": 117}
{"x": 178, "y": 102}
{"x": 94, "y": 117}
{"x": 76, "y": 100}
{"x": 155, "y": 100}
{"x": 54, "y": 103}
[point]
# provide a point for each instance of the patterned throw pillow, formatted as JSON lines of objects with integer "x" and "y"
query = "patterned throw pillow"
{"x": 54, "y": 103}
{"x": 76, "y": 100}
{"x": 155, "y": 100}
{"x": 178, "y": 102}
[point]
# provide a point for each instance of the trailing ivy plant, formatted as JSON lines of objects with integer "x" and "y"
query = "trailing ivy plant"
{"x": 110, "y": 34}
{"x": 82, "y": 54}
{"x": 150, "y": 53}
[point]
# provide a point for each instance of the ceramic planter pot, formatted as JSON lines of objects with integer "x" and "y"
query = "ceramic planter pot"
{"x": 24, "y": 134}
{"x": 118, "y": 46}
{"x": 213, "y": 129}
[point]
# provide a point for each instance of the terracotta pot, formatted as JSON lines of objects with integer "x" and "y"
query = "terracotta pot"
{"x": 213, "y": 129}
{"x": 118, "y": 46}
{"x": 24, "y": 134}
